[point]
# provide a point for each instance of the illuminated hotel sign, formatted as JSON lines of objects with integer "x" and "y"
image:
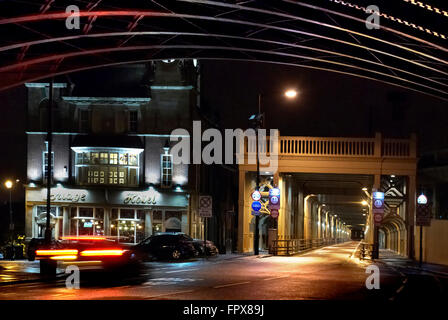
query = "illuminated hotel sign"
{"x": 68, "y": 196}
{"x": 140, "y": 198}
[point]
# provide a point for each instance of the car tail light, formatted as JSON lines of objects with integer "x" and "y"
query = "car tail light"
{"x": 94, "y": 238}
{"x": 64, "y": 257}
{"x": 57, "y": 252}
{"x": 102, "y": 253}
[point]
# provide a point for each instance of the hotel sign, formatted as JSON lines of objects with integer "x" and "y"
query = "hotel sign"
{"x": 140, "y": 198}
{"x": 68, "y": 196}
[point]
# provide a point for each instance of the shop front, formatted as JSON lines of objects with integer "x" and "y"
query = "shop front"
{"x": 130, "y": 216}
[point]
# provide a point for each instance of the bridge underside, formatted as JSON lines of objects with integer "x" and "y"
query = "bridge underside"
{"x": 37, "y": 43}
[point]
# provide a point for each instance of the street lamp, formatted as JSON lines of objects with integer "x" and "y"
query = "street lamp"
{"x": 9, "y": 184}
{"x": 257, "y": 119}
{"x": 291, "y": 93}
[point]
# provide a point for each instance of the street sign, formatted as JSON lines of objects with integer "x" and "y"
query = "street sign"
{"x": 423, "y": 217}
{"x": 274, "y": 199}
{"x": 256, "y": 206}
{"x": 256, "y": 195}
{"x": 422, "y": 199}
{"x": 205, "y": 206}
{"x": 274, "y": 213}
{"x": 378, "y": 208}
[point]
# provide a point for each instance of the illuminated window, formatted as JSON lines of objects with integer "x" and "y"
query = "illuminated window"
{"x": 167, "y": 170}
{"x": 113, "y": 158}
{"x": 107, "y": 168}
{"x": 104, "y": 157}
{"x": 128, "y": 225}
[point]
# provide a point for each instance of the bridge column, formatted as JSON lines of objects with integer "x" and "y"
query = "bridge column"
{"x": 319, "y": 222}
{"x": 411, "y": 194}
{"x": 245, "y": 234}
{"x": 307, "y": 220}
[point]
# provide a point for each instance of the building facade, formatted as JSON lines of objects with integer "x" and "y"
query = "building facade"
{"x": 113, "y": 173}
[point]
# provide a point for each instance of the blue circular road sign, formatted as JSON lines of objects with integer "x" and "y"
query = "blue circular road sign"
{"x": 256, "y": 205}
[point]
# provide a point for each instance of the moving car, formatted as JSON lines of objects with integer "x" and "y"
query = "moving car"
{"x": 90, "y": 252}
{"x": 172, "y": 246}
{"x": 210, "y": 248}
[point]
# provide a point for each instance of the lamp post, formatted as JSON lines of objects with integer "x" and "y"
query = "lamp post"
{"x": 9, "y": 184}
{"x": 258, "y": 124}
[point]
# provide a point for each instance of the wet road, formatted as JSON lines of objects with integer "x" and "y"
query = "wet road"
{"x": 326, "y": 273}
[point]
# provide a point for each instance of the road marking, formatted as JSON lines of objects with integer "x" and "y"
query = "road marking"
{"x": 400, "y": 289}
{"x": 231, "y": 285}
{"x": 181, "y": 270}
{"x": 274, "y": 278}
{"x": 169, "y": 294}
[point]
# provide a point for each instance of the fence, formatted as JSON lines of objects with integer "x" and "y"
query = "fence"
{"x": 293, "y": 246}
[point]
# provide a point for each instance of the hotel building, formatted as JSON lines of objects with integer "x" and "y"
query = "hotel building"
{"x": 113, "y": 173}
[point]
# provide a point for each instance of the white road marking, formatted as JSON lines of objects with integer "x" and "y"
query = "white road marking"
{"x": 169, "y": 294}
{"x": 274, "y": 278}
{"x": 181, "y": 270}
{"x": 231, "y": 284}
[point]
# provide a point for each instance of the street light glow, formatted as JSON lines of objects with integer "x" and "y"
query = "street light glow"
{"x": 8, "y": 184}
{"x": 364, "y": 203}
{"x": 291, "y": 94}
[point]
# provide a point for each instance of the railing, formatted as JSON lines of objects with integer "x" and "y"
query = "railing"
{"x": 396, "y": 148}
{"x": 293, "y": 246}
{"x": 340, "y": 147}
{"x": 310, "y": 146}
{"x": 366, "y": 251}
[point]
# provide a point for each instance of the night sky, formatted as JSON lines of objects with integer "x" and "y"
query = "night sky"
{"x": 328, "y": 105}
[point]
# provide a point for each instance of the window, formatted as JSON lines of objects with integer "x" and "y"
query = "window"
{"x": 128, "y": 225}
{"x": 104, "y": 157}
{"x": 84, "y": 121}
{"x": 107, "y": 168}
{"x": 167, "y": 170}
{"x": 87, "y": 221}
{"x": 113, "y": 158}
{"x": 45, "y": 166}
{"x": 133, "y": 121}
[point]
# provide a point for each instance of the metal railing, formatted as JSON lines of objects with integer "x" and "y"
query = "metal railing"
{"x": 366, "y": 251}
{"x": 293, "y": 246}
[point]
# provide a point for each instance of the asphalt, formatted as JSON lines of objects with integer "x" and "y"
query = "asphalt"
{"x": 330, "y": 273}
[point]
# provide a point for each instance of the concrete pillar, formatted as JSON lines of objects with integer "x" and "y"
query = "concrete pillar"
{"x": 301, "y": 215}
{"x": 319, "y": 222}
{"x": 308, "y": 217}
{"x": 410, "y": 218}
{"x": 245, "y": 235}
{"x": 65, "y": 221}
{"x": 148, "y": 224}
{"x": 29, "y": 222}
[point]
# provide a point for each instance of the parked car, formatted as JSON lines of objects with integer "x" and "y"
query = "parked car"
{"x": 172, "y": 246}
{"x": 210, "y": 248}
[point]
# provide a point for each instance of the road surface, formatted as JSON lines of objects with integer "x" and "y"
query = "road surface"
{"x": 327, "y": 273}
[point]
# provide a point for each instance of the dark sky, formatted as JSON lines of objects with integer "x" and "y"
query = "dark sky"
{"x": 328, "y": 105}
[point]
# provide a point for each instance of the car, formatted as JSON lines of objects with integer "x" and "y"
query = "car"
{"x": 173, "y": 246}
{"x": 89, "y": 252}
{"x": 210, "y": 248}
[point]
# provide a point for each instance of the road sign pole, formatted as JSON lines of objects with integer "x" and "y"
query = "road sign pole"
{"x": 421, "y": 246}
